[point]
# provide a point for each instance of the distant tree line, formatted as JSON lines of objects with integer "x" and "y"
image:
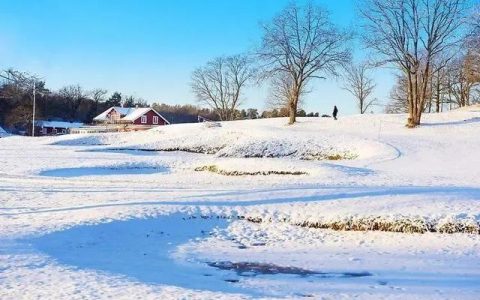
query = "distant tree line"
{"x": 70, "y": 103}
{"x": 190, "y": 113}
{"x": 76, "y": 104}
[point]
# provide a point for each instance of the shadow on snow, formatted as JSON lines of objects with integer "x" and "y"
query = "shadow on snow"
{"x": 144, "y": 250}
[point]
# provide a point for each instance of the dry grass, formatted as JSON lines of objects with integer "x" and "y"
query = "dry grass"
{"x": 217, "y": 170}
{"x": 378, "y": 223}
{"x": 372, "y": 223}
{"x": 327, "y": 156}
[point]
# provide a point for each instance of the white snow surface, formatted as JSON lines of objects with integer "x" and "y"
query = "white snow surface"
{"x": 113, "y": 216}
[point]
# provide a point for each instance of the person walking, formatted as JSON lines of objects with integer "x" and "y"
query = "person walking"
{"x": 335, "y": 112}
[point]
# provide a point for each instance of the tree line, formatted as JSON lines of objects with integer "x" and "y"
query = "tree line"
{"x": 76, "y": 104}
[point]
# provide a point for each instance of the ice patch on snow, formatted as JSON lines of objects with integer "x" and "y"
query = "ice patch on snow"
{"x": 126, "y": 169}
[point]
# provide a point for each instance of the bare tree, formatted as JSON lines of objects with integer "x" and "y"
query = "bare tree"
{"x": 398, "y": 97}
{"x": 220, "y": 83}
{"x": 357, "y": 81}
{"x": 473, "y": 38}
{"x": 73, "y": 94}
{"x": 464, "y": 77}
{"x": 281, "y": 86}
{"x": 20, "y": 83}
{"x": 298, "y": 45}
{"x": 98, "y": 95}
{"x": 439, "y": 81}
{"x": 411, "y": 34}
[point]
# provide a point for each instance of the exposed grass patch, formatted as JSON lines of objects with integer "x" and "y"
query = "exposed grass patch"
{"x": 198, "y": 150}
{"x": 329, "y": 156}
{"x": 401, "y": 224}
{"x": 217, "y": 170}
{"x": 379, "y": 223}
{"x": 256, "y": 153}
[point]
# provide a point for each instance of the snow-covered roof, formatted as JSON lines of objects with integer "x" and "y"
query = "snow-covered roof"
{"x": 136, "y": 113}
{"x": 123, "y": 111}
{"x": 58, "y": 124}
{"x": 128, "y": 113}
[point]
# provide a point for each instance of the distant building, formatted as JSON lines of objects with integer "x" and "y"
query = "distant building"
{"x": 129, "y": 115}
{"x": 117, "y": 119}
{"x": 54, "y": 127}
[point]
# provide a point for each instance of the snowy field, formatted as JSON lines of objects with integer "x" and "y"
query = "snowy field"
{"x": 356, "y": 208}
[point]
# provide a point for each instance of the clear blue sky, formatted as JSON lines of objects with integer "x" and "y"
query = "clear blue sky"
{"x": 149, "y": 48}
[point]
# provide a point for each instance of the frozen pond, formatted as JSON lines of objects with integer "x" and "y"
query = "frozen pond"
{"x": 144, "y": 250}
{"x": 102, "y": 171}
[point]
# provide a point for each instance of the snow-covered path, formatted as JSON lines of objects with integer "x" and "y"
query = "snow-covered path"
{"x": 79, "y": 219}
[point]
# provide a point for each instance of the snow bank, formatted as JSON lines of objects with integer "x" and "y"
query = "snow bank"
{"x": 242, "y": 139}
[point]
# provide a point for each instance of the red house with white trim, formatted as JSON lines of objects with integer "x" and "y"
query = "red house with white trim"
{"x": 145, "y": 116}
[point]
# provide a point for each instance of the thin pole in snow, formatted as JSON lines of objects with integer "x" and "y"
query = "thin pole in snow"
{"x": 33, "y": 118}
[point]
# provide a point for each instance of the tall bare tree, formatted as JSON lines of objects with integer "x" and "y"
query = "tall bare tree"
{"x": 357, "y": 81}
{"x": 220, "y": 83}
{"x": 301, "y": 44}
{"x": 411, "y": 34}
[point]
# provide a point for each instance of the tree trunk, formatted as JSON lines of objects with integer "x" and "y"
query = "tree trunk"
{"x": 438, "y": 93}
{"x": 293, "y": 105}
{"x": 411, "y": 102}
{"x": 292, "y": 113}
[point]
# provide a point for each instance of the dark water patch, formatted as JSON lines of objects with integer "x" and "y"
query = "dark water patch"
{"x": 252, "y": 269}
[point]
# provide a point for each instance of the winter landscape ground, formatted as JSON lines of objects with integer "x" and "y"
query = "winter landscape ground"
{"x": 356, "y": 208}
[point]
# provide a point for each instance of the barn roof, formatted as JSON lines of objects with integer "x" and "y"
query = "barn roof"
{"x": 123, "y": 111}
{"x": 58, "y": 124}
{"x": 136, "y": 113}
{"x": 128, "y": 113}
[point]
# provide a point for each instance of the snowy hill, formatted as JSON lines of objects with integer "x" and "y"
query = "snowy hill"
{"x": 361, "y": 208}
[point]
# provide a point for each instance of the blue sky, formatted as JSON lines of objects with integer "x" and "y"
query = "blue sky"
{"x": 149, "y": 48}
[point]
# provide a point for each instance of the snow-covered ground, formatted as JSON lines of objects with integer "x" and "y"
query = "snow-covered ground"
{"x": 128, "y": 216}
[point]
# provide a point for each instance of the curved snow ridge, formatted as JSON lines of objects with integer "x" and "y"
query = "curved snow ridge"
{"x": 240, "y": 143}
